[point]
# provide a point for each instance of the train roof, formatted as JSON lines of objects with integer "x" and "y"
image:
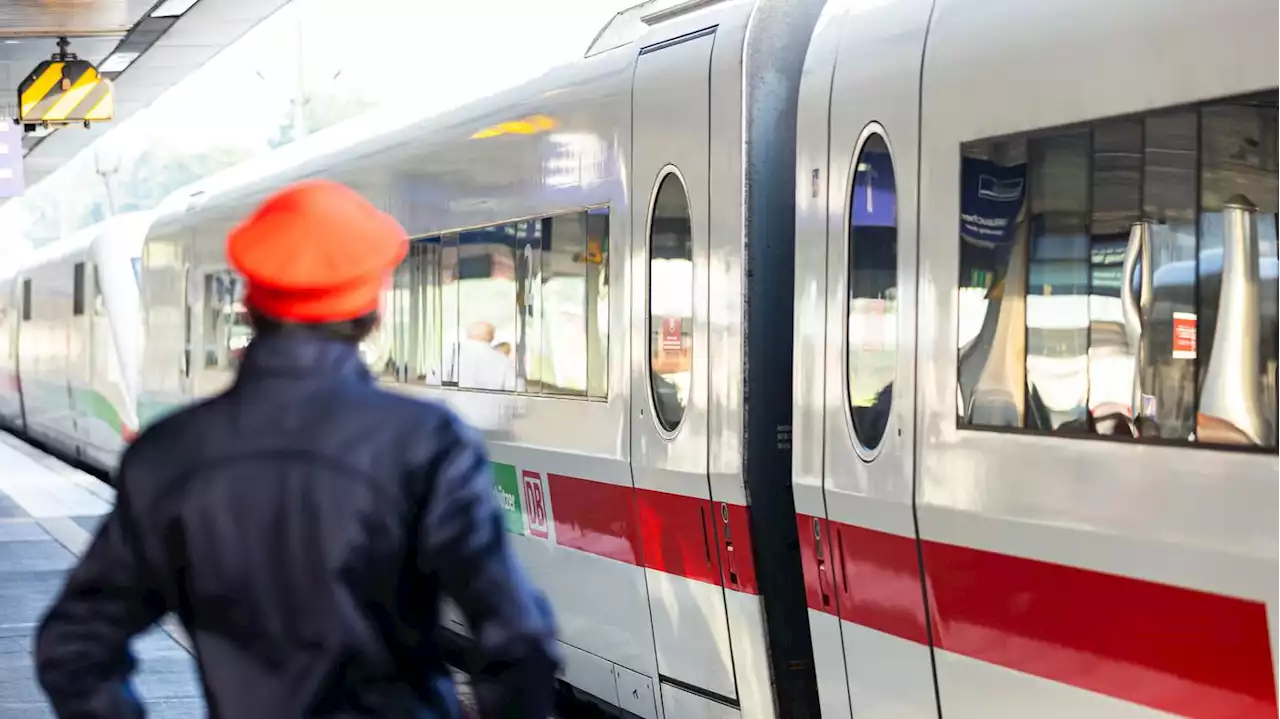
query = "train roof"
{"x": 390, "y": 126}
{"x": 129, "y": 225}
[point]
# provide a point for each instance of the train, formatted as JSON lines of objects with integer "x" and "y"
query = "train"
{"x": 846, "y": 358}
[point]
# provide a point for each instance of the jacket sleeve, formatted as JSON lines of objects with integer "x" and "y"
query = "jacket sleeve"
{"x": 462, "y": 540}
{"x": 82, "y": 648}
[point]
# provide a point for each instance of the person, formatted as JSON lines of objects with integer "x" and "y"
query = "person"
{"x": 479, "y": 364}
{"x": 304, "y": 525}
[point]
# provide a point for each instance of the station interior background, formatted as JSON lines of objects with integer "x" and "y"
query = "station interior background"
{"x": 309, "y": 66}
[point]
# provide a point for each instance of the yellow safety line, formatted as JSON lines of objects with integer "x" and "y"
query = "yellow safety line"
{"x": 34, "y": 94}
{"x": 68, "y": 102}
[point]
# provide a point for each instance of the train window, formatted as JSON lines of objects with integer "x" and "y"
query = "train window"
{"x": 99, "y": 302}
{"x": 449, "y": 314}
{"x": 670, "y": 301}
{"x": 596, "y": 290}
{"x": 26, "y": 298}
{"x": 227, "y": 329}
{"x": 1121, "y": 278}
{"x": 516, "y": 307}
{"x": 77, "y": 289}
{"x": 873, "y": 290}
{"x": 406, "y": 346}
{"x": 487, "y": 310}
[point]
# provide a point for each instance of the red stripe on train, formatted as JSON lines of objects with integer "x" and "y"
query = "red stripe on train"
{"x": 1179, "y": 650}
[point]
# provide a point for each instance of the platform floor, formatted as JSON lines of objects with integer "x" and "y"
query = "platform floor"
{"x": 48, "y": 511}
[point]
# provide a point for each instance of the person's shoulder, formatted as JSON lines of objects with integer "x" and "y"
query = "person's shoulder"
{"x": 160, "y": 441}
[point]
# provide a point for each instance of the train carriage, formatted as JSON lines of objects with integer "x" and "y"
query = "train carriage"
{"x": 71, "y": 326}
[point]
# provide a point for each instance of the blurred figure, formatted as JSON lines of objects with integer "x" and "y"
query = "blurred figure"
{"x": 478, "y": 364}
{"x": 305, "y": 524}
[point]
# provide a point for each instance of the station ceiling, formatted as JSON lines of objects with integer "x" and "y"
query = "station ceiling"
{"x": 145, "y": 46}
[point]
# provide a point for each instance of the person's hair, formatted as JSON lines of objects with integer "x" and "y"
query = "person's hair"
{"x": 353, "y": 330}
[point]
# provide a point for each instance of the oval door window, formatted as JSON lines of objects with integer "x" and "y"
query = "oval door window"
{"x": 873, "y": 292}
{"x": 670, "y": 301}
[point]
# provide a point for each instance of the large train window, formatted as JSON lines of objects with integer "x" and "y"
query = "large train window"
{"x": 520, "y": 306}
{"x": 670, "y": 300}
{"x": 872, "y": 346}
{"x": 1120, "y": 278}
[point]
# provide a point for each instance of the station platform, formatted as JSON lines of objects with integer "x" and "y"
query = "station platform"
{"x": 48, "y": 513}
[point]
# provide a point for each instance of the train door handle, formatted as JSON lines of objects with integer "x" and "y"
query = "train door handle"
{"x": 731, "y": 560}
{"x": 824, "y": 574}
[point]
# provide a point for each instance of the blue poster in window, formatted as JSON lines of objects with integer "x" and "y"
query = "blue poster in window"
{"x": 874, "y": 201}
{"x": 991, "y": 196}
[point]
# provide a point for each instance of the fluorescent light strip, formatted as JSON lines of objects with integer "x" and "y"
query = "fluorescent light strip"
{"x": 117, "y": 62}
{"x": 173, "y": 8}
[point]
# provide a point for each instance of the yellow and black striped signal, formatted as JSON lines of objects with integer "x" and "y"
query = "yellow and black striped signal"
{"x": 65, "y": 91}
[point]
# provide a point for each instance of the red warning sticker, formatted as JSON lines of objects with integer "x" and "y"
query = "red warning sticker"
{"x": 1184, "y": 335}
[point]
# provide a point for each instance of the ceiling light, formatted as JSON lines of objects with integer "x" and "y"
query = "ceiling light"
{"x": 117, "y": 62}
{"x": 173, "y": 8}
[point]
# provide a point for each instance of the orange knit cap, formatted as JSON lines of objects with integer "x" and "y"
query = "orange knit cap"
{"x": 316, "y": 252}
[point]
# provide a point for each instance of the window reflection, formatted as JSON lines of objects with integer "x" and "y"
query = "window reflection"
{"x": 564, "y": 323}
{"x": 671, "y": 302}
{"x": 1140, "y": 298}
{"x": 486, "y": 309}
{"x": 873, "y": 291}
{"x": 227, "y": 330}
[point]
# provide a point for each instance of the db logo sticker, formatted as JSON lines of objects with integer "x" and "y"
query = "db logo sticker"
{"x": 535, "y": 505}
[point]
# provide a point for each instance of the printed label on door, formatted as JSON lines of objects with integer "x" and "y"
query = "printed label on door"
{"x": 1184, "y": 335}
{"x": 535, "y": 505}
{"x": 507, "y": 491}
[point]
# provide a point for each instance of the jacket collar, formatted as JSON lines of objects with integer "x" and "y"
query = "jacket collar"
{"x": 303, "y": 353}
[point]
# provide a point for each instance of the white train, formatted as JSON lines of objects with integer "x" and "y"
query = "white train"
{"x": 874, "y": 358}
{"x": 70, "y": 341}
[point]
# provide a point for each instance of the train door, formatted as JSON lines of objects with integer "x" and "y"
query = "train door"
{"x": 872, "y": 578}
{"x": 670, "y": 221}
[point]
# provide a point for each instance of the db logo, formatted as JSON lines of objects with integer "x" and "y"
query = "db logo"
{"x": 535, "y": 504}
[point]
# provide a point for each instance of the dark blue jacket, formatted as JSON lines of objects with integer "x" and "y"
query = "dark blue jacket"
{"x": 303, "y": 526}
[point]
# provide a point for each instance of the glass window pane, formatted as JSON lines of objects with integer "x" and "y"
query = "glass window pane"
{"x": 449, "y": 309}
{"x": 1058, "y": 282}
{"x": 873, "y": 291}
{"x": 486, "y": 308}
{"x": 597, "y": 289}
{"x": 563, "y": 361}
{"x": 1236, "y": 345}
{"x": 525, "y": 346}
{"x": 670, "y": 302}
{"x": 993, "y": 283}
{"x": 1116, "y": 197}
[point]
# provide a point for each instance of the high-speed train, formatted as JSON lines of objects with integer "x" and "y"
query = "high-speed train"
{"x": 867, "y": 358}
{"x": 70, "y": 341}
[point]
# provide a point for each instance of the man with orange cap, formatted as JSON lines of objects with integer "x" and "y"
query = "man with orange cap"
{"x": 305, "y": 524}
